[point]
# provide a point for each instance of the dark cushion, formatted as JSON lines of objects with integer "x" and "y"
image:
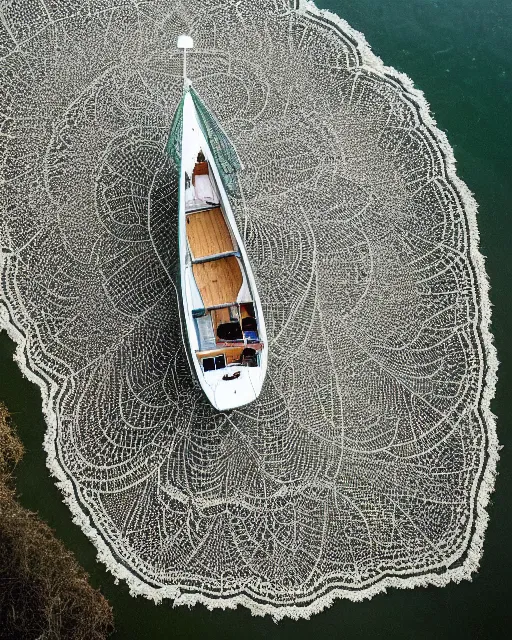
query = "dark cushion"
{"x": 230, "y": 331}
{"x": 249, "y": 324}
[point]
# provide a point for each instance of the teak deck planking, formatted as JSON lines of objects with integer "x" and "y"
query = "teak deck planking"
{"x": 208, "y": 233}
{"x": 218, "y": 281}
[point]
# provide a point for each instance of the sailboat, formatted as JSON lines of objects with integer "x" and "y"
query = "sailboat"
{"x": 222, "y": 311}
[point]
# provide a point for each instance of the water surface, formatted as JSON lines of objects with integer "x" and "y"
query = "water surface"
{"x": 459, "y": 54}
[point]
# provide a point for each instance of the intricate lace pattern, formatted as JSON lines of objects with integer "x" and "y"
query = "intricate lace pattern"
{"x": 369, "y": 457}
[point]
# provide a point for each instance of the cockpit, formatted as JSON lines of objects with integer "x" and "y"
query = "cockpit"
{"x": 222, "y": 307}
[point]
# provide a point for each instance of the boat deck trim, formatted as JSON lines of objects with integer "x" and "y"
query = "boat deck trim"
{"x": 216, "y": 256}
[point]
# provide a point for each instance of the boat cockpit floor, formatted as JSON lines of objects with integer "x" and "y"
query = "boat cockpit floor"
{"x": 219, "y": 281}
{"x": 208, "y": 234}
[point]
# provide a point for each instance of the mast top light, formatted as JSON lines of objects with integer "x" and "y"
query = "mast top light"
{"x": 185, "y": 42}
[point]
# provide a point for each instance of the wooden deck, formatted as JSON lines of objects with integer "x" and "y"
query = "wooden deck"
{"x": 219, "y": 316}
{"x": 232, "y": 354}
{"x": 208, "y": 234}
{"x": 218, "y": 281}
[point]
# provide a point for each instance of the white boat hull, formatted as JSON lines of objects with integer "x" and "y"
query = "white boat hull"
{"x": 244, "y": 382}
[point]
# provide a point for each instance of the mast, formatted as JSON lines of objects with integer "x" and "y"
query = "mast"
{"x": 185, "y": 42}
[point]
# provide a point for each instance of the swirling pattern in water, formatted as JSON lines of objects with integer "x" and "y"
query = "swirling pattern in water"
{"x": 369, "y": 457}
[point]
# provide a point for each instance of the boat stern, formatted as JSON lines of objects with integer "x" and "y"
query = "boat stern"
{"x": 233, "y": 386}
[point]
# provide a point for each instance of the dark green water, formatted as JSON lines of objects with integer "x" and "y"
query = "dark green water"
{"x": 459, "y": 52}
